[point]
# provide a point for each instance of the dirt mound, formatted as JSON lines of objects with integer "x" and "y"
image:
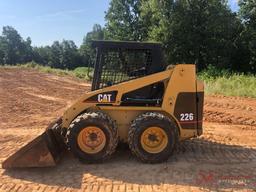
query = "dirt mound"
{"x": 224, "y": 157}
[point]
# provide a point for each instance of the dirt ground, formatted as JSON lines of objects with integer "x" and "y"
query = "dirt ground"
{"x": 222, "y": 159}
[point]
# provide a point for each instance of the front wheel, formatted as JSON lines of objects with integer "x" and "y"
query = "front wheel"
{"x": 152, "y": 137}
{"x": 92, "y": 137}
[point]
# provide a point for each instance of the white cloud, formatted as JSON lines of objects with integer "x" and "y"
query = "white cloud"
{"x": 65, "y": 13}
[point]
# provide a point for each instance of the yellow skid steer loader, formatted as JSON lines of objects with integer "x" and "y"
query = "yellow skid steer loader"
{"x": 134, "y": 98}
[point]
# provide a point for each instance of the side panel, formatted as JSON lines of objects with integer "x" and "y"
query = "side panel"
{"x": 183, "y": 80}
{"x": 200, "y": 104}
{"x": 185, "y": 110}
{"x": 189, "y": 110}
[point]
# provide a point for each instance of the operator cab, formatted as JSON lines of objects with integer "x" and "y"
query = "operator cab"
{"x": 120, "y": 61}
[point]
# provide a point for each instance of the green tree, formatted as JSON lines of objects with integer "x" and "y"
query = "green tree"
{"x": 2, "y": 50}
{"x": 157, "y": 17}
{"x": 124, "y": 20}
{"x": 248, "y": 36}
{"x": 62, "y": 55}
{"x": 55, "y": 55}
{"x": 200, "y": 31}
{"x": 13, "y": 48}
{"x": 86, "y": 51}
{"x": 27, "y": 51}
{"x": 70, "y": 56}
{"x": 42, "y": 55}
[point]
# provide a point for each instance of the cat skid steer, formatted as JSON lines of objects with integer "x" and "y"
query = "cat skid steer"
{"x": 135, "y": 98}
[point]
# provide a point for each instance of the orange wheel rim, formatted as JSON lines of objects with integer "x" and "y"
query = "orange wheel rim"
{"x": 91, "y": 139}
{"x": 154, "y": 140}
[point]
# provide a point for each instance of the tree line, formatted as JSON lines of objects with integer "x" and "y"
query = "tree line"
{"x": 205, "y": 32}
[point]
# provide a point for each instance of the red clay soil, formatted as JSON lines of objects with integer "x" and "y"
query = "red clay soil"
{"x": 222, "y": 159}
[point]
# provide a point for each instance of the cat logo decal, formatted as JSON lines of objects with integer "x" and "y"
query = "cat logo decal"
{"x": 105, "y": 97}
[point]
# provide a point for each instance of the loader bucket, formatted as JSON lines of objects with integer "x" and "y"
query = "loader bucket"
{"x": 43, "y": 151}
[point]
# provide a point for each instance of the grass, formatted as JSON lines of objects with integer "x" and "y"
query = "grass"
{"x": 83, "y": 73}
{"x": 216, "y": 81}
{"x": 227, "y": 83}
{"x": 79, "y": 72}
{"x": 234, "y": 85}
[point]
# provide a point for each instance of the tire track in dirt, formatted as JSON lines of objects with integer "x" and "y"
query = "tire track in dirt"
{"x": 231, "y": 110}
{"x": 204, "y": 151}
{"x": 27, "y": 96}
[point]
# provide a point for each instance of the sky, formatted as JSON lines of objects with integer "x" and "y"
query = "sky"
{"x": 48, "y": 20}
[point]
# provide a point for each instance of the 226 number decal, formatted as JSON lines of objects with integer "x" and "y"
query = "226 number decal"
{"x": 186, "y": 117}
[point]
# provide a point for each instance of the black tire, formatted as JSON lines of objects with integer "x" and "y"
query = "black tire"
{"x": 100, "y": 120}
{"x": 59, "y": 133}
{"x": 140, "y": 124}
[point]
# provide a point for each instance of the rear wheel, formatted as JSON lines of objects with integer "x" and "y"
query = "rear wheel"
{"x": 92, "y": 137}
{"x": 152, "y": 137}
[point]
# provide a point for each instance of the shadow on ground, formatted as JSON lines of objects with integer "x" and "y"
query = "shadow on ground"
{"x": 196, "y": 162}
